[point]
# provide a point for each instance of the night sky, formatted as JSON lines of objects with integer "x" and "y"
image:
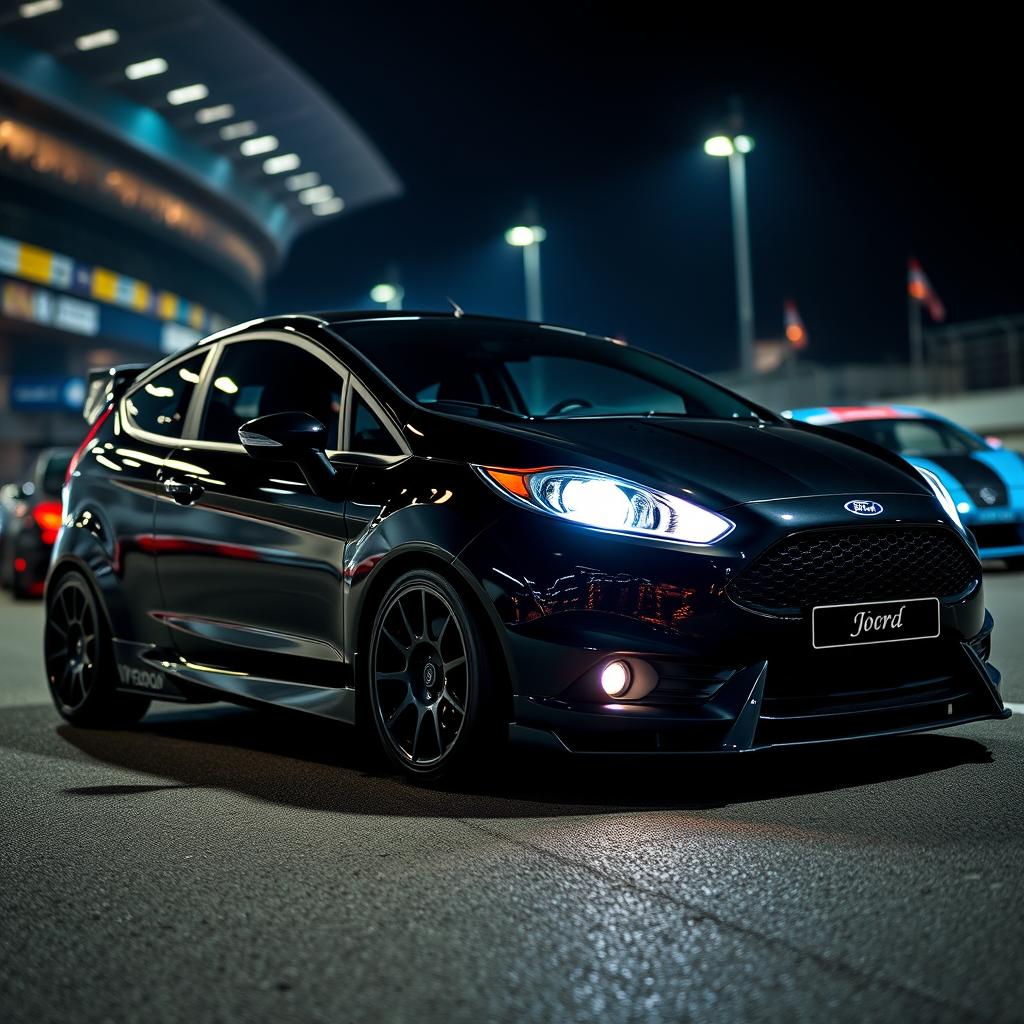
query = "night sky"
{"x": 872, "y": 143}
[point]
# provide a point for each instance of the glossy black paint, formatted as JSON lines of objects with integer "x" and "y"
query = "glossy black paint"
{"x": 255, "y": 578}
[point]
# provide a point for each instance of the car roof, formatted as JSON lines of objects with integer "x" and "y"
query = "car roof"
{"x": 825, "y": 415}
{"x": 342, "y": 315}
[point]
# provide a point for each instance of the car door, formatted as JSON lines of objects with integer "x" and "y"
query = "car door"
{"x": 125, "y": 475}
{"x": 250, "y": 558}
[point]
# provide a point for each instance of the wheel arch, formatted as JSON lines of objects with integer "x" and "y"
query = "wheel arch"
{"x": 466, "y": 586}
{"x": 68, "y": 564}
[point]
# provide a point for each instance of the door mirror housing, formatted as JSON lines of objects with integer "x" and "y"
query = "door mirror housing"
{"x": 293, "y": 437}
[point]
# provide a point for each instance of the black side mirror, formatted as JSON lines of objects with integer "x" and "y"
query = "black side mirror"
{"x": 291, "y": 437}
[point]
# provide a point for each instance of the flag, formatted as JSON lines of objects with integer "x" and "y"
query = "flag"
{"x": 920, "y": 289}
{"x": 796, "y": 333}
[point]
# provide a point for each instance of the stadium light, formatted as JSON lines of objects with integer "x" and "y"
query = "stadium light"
{"x": 388, "y": 295}
{"x": 317, "y": 194}
{"x": 521, "y": 235}
{"x": 187, "y": 94}
{"x": 719, "y": 145}
{"x": 326, "y": 208}
{"x": 261, "y": 144}
{"x": 238, "y": 130}
{"x": 221, "y": 112}
{"x": 95, "y": 40}
{"x": 282, "y": 163}
{"x": 145, "y": 68}
{"x": 297, "y": 182}
{"x": 37, "y": 7}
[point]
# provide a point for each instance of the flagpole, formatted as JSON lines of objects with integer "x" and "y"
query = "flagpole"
{"x": 916, "y": 329}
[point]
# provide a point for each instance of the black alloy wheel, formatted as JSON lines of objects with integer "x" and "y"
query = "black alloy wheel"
{"x": 79, "y": 663}
{"x": 431, "y": 700}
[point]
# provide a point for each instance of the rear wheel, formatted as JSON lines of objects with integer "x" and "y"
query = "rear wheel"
{"x": 80, "y": 662}
{"x": 431, "y": 684}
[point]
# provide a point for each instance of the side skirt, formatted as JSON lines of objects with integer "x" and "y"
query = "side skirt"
{"x": 164, "y": 676}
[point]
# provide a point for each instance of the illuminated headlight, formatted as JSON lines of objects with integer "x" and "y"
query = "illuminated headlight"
{"x": 608, "y": 503}
{"x": 945, "y": 499}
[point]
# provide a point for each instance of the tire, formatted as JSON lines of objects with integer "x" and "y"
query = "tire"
{"x": 431, "y": 684}
{"x": 79, "y": 660}
{"x": 1015, "y": 564}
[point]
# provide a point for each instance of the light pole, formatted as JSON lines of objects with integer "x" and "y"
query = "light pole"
{"x": 736, "y": 147}
{"x": 388, "y": 295}
{"x": 528, "y": 239}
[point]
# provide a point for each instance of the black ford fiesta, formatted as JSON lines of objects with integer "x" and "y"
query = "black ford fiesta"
{"x": 456, "y": 530}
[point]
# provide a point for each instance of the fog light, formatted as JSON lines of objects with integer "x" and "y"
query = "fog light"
{"x": 615, "y": 678}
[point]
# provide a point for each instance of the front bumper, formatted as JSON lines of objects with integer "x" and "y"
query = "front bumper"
{"x": 760, "y": 707}
{"x": 728, "y": 679}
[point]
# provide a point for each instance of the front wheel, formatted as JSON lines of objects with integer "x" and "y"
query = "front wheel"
{"x": 431, "y": 684}
{"x": 80, "y": 662}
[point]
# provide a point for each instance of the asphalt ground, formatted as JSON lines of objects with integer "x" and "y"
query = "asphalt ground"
{"x": 216, "y": 863}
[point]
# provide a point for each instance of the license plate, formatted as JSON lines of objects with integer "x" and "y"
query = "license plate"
{"x": 878, "y": 622}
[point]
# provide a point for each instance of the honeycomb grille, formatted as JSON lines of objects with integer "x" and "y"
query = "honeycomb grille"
{"x": 865, "y": 564}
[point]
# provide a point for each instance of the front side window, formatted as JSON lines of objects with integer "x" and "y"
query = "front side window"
{"x": 256, "y": 378}
{"x": 161, "y": 404}
{"x": 367, "y": 433}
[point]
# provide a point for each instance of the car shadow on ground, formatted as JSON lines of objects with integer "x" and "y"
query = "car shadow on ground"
{"x": 304, "y": 762}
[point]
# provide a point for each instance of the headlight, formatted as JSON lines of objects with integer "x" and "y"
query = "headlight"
{"x": 944, "y": 497}
{"x": 608, "y": 503}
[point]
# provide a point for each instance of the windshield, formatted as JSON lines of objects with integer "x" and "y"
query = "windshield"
{"x": 520, "y": 370}
{"x": 912, "y": 437}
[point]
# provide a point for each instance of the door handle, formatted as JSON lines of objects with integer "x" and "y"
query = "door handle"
{"x": 182, "y": 491}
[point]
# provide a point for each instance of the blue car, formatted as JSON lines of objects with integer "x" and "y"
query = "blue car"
{"x": 986, "y": 482}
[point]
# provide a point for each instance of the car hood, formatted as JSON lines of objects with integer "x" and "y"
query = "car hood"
{"x": 718, "y": 462}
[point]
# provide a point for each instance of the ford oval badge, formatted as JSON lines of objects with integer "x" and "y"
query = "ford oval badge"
{"x": 864, "y": 508}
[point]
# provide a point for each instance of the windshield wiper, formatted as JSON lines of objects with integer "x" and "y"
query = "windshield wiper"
{"x": 483, "y": 410}
{"x": 753, "y": 416}
{"x": 647, "y": 415}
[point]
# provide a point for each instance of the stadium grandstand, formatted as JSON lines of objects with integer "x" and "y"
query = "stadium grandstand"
{"x": 157, "y": 161}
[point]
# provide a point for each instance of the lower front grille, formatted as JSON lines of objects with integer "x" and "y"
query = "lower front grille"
{"x": 867, "y": 563}
{"x": 857, "y": 691}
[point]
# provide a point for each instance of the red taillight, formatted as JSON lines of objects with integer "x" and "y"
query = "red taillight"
{"x": 48, "y": 516}
{"x": 84, "y": 446}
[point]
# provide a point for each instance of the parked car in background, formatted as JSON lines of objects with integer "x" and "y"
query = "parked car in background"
{"x": 9, "y": 496}
{"x": 984, "y": 479}
{"x": 31, "y": 522}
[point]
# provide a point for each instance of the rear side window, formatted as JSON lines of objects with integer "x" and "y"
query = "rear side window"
{"x": 368, "y": 433}
{"x": 256, "y": 378}
{"x": 161, "y": 404}
{"x": 55, "y": 471}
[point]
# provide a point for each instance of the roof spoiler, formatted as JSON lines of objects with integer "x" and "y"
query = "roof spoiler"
{"x": 106, "y": 386}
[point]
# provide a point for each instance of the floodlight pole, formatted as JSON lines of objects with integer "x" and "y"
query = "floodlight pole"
{"x": 531, "y": 271}
{"x": 741, "y": 246}
{"x": 916, "y": 330}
